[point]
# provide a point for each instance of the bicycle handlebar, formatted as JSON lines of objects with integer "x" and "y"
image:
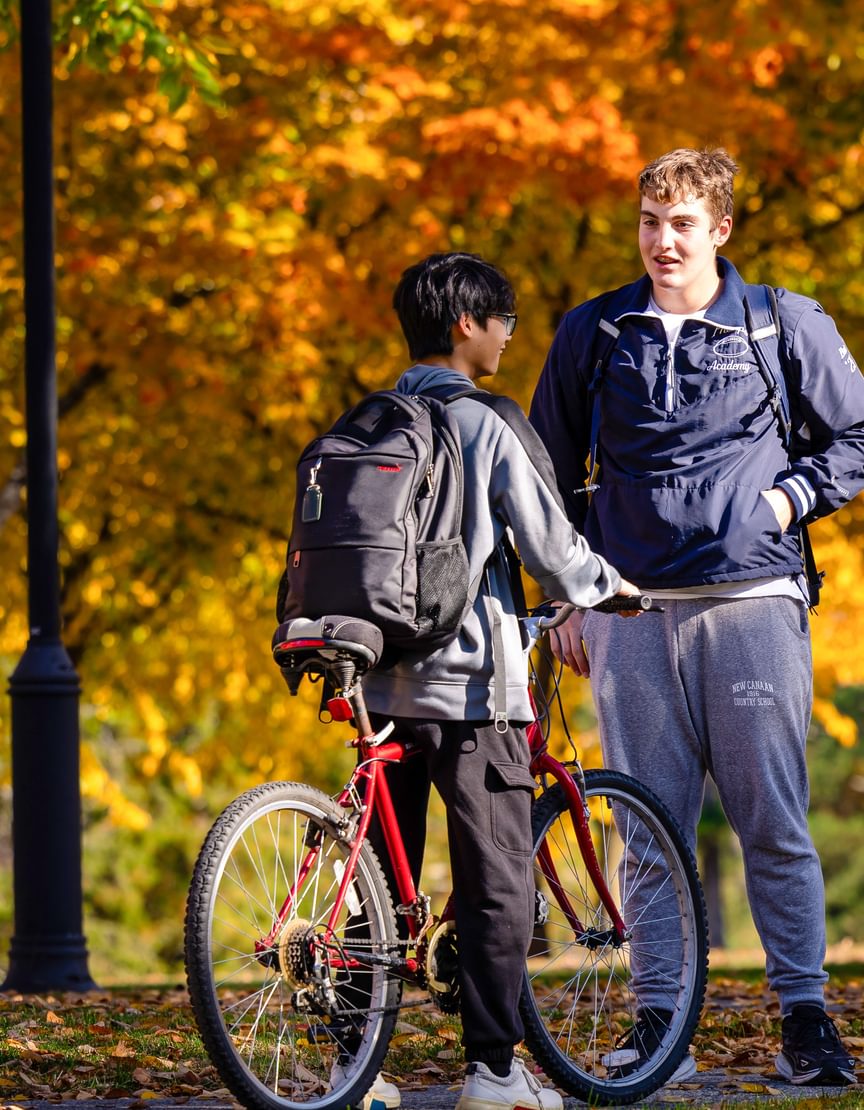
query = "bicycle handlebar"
{"x": 638, "y": 603}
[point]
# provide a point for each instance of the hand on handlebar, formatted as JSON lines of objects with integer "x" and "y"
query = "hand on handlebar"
{"x": 565, "y": 640}
{"x": 565, "y": 636}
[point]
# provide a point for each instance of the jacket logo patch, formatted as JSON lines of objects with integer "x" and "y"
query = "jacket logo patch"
{"x": 846, "y": 357}
{"x": 730, "y": 346}
{"x": 389, "y": 469}
{"x": 730, "y": 349}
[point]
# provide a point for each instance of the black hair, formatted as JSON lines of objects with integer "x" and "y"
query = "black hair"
{"x": 433, "y": 294}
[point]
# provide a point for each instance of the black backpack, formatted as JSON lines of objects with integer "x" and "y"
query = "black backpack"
{"x": 377, "y": 530}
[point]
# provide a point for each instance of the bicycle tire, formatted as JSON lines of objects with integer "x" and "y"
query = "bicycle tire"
{"x": 273, "y": 1025}
{"x": 579, "y": 997}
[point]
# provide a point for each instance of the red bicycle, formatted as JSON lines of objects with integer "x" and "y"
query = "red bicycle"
{"x": 296, "y": 966}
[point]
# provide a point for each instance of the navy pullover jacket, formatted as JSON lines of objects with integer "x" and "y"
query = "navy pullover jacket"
{"x": 687, "y": 438}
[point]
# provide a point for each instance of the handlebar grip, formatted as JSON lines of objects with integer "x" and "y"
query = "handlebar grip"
{"x": 639, "y": 603}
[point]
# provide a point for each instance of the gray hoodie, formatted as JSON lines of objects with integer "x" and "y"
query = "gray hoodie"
{"x": 509, "y": 485}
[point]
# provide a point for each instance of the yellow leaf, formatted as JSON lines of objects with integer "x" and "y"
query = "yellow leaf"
{"x": 405, "y": 1038}
{"x": 122, "y": 1050}
{"x": 158, "y": 1062}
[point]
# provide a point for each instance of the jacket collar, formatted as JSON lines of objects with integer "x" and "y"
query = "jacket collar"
{"x": 728, "y": 309}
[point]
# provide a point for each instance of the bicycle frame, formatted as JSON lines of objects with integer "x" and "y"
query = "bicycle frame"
{"x": 374, "y": 755}
{"x": 376, "y": 797}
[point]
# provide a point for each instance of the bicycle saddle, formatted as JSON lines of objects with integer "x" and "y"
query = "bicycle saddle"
{"x": 300, "y": 641}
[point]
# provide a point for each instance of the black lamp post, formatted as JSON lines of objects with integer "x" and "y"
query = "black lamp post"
{"x": 48, "y": 950}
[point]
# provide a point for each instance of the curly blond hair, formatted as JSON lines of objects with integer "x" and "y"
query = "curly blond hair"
{"x": 684, "y": 175}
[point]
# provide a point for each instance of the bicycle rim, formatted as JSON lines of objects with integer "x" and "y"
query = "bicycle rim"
{"x": 291, "y": 1014}
{"x": 584, "y": 990}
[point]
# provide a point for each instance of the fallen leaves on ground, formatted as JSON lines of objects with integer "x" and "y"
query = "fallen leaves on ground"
{"x": 138, "y": 1045}
{"x": 143, "y": 1045}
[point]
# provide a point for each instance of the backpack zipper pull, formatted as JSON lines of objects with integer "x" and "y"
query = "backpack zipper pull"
{"x": 312, "y": 498}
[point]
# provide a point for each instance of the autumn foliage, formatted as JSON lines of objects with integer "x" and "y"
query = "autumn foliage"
{"x": 229, "y": 231}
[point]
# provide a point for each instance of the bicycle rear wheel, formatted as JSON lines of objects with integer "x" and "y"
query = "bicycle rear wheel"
{"x": 584, "y": 991}
{"x": 279, "y": 999}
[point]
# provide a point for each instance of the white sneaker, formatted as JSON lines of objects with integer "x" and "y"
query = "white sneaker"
{"x": 642, "y": 1042}
{"x": 380, "y": 1096}
{"x": 620, "y": 1058}
{"x": 484, "y": 1090}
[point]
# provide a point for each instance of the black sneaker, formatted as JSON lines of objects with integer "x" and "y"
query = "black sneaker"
{"x": 813, "y": 1054}
{"x": 642, "y": 1042}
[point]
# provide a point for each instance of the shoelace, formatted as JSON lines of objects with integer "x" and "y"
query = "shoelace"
{"x": 821, "y": 1028}
{"x": 534, "y": 1084}
{"x": 826, "y": 1031}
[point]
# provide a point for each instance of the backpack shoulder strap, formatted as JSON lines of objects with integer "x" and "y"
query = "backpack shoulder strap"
{"x": 509, "y": 411}
{"x": 605, "y": 339}
{"x": 763, "y": 328}
{"x": 513, "y": 416}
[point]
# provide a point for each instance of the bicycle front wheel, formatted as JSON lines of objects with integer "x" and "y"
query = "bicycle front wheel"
{"x": 611, "y": 1019}
{"x": 295, "y": 1005}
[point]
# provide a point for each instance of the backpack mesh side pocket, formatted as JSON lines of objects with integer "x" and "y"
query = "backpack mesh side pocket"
{"x": 442, "y": 580}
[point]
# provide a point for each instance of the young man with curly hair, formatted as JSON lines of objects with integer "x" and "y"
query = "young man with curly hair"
{"x": 699, "y": 501}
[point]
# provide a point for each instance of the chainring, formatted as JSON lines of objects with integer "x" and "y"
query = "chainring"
{"x": 440, "y": 960}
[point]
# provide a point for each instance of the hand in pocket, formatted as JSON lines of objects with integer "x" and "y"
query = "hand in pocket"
{"x": 781, "y": 505}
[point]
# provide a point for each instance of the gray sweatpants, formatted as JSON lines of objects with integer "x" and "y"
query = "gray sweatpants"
{"x": 725, "y": 686}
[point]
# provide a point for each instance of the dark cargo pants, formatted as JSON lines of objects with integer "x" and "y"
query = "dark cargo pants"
{"x": 483, "y": 778}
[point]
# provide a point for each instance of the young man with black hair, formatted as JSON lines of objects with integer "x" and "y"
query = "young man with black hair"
{"x": 699, "y": 501}
{"x": 457, "y": 314}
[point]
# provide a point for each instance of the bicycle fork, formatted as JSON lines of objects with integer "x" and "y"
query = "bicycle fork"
{"x": 592, "y": 938}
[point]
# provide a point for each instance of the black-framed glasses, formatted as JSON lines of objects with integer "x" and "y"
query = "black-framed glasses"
{"x": 509, "y": 319}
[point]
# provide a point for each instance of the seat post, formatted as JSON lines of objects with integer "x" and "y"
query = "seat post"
{"x": 361, "y": 714}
